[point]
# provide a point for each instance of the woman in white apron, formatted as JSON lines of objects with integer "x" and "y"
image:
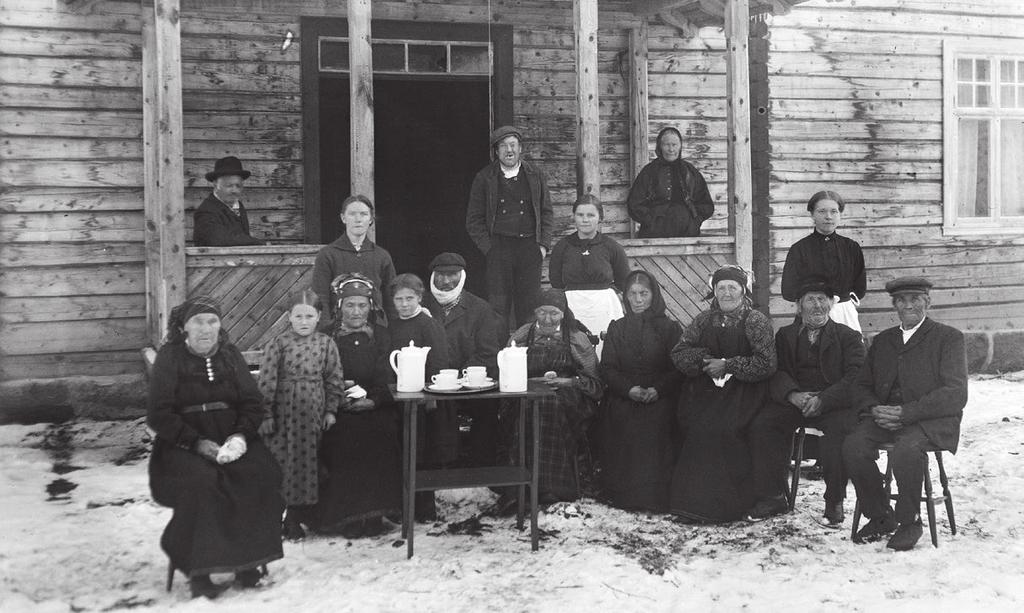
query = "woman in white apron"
{"x": 591, "y": 268}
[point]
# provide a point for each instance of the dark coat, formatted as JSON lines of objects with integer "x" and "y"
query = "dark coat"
{"x": 835, "y": 258}
{"x": 483, "y": 203}
{"x": 932, "y": 373}
{"x": 216, "y": 225}
{"x": 840, "y": 356}
{"x": 663, "y": 214}
{"x": 472, "y": 332}
{"x": 341, "y": 257}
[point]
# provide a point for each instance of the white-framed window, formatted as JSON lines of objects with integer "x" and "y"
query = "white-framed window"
{"x": 983, "y": 138}
{"x": 394, "y": 56}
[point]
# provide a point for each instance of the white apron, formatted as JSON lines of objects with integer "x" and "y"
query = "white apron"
{"x": 846, "y": 312}
{"x": 596, "y": 308}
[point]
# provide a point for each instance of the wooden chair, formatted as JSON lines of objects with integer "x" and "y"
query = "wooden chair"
{"x": 930, "y": 498}
{"x": 796, "y": 454}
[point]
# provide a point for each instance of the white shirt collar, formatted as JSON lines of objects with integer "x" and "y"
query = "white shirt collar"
{"x": 908, "y": 333}
{"x": 511, "y": 173}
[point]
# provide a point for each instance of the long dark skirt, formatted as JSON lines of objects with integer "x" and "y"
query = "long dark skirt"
{"x": 713, "y": 478}
{"x": 362, "y": 455}
{"x": 637, "y": 447}
{"x": 227, "y": 517}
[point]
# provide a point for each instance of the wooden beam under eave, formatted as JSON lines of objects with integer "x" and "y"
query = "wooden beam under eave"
{"x": 163, "y": 163}
{"x": 638, "y": 102}
{"x": 360, "y": 58}
{"x": 740, "y": 184}
{"x": 650, "y": 7}
{"x": 588, "y": 117}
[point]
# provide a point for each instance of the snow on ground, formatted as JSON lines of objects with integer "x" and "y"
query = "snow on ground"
{"x": 80, "y": 533}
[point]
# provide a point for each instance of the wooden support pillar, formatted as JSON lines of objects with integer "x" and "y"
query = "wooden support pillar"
{"x": 638, "y": 113}
{"x": 737, "y": 32}
{"x": 164, "y": 166}
{"x": 360, "y": 61}
{"x": 588, "y": 112}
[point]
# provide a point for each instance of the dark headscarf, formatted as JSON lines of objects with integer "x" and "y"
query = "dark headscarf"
{"x": 634, "y": 322}
{"x": 731, "y": 272}
{"x": 186, "y": 311}
{"x": 556, "y": 298}
{"x": 661, "y": 134}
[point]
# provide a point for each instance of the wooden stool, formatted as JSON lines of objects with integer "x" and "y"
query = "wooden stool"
{"x": 929, "y": 498}
{"x": 796, "y": 454}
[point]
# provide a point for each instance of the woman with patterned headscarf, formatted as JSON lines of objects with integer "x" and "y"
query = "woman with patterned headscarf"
{"x": 362, "y": 451}
{"x": 727, "y": 355}
{"x": 208, "y": 463}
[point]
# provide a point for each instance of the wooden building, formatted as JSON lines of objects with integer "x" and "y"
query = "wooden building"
{"x": 111, "y": 111}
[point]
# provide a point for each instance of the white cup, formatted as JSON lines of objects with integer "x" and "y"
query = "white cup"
{"x": 447, "y": 378}
{"x": 475, "y": 375}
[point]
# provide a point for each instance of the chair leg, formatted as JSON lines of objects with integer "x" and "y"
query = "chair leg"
{"x": 929, "y": 503}
{"x": 170, "y": 575}
{"x": 945, "y": 492}
{"x": 796, "y": 457}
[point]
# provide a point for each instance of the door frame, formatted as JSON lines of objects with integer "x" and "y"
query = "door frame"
{"x": 312, "y": 28}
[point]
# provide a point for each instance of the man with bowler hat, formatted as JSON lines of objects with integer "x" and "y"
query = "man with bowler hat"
{"x": 510, "y": 219}
{"x": 221, "y": 221}
{"x": 911, "y": 392}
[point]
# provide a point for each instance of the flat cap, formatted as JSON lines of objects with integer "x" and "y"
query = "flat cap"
{"x": 908, "y": 285}
{"x": 815, "y": 285}
{"x": 501, "y": 132}
{"x": 448, "y": 262}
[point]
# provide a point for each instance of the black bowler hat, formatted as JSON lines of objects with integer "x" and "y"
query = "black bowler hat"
{"x": 908, "y": 285}
{"x": 448, "y": 262}
{"x": 227, "y": 166}
{"x": 815, "y": 285}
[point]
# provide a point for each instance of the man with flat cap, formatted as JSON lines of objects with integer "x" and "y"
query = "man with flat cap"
{"x": 911, "y": 392}
{"x": 510, "y": 219}
{"x": 221, "y": 220}
{"x": 818, "y": 361}
{"x": 471, "y": 327}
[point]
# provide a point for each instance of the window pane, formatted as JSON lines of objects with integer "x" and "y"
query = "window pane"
{"x": 965, "y": 95}
{"x": 963, "y": 70}
{"x": 1006, "y": 71}
{"x": 1020, "y": 72}
{"x": 981, "y": 70}
{"x": 428, "y": 58}
{"x": 972, "y": 168}
{"x": 1006, "y": 99}
{"x": 470, "y": 60}
{"x": 1011, "y": 176}
{"x": 982, "y": 93}
{"x": 333, "y": 55}
{"x": 1020, "y": 96}
{"x": 389, "y": 57}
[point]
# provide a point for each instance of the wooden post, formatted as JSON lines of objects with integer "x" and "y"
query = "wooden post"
{"x": 588, "y": 112}
{"x": 737, "y": 31}
{"x": 164, "y": 166}
{"x": 360, "y": 61}
{"x": 638, "y": 114}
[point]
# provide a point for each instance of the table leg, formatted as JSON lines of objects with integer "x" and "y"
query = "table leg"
{"x": 405, "y": 469}
{"x": 410, "y": 503}
{"x": 534, "y": 476}
{"x": 521, "y": 428}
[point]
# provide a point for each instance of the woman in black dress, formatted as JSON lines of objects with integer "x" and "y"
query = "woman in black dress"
{"x": 208, "y": 463}
{"x": 362, "y": 451}
{"x": 637, "y": 430}
{"x": 727, "y": 354}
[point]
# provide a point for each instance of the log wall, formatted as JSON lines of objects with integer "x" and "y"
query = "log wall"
{"x": 856, "y": 107}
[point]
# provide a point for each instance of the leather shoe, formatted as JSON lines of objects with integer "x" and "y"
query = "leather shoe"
{"x": 876, "y": 528}
{"x": 906, "y": 536}
{"x": 249, "y": 578}
{"x": 834, "y": 514}
{"x": 776, "y": 505}
{"x": 202, "y": 586}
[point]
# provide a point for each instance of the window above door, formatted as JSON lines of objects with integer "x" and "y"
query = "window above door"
{"x": 424, "y": 57}
{"x": 983, "y": 138}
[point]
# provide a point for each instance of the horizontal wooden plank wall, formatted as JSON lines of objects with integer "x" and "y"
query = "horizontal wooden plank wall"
{"x": 72, "y": 279}
{"x": 856, "y": 88}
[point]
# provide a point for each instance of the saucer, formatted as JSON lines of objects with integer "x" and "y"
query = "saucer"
{"x": 446, "y": 388}
{"x": 488, "y": 382}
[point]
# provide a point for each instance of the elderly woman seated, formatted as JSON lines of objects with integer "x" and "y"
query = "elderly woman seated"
{"x": 208, "y": 462}
{"x": 561, "y": 354}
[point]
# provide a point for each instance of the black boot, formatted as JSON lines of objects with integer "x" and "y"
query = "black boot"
{"x": 202, "y": 586}
{"x": 291, "y": 529}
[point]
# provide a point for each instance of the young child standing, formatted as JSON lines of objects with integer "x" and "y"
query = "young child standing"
{"x": 303, "y": 387}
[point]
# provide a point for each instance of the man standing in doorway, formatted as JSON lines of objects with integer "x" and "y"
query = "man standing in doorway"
{"x": 221, "y": 220}
{"x": 510, "y": 219}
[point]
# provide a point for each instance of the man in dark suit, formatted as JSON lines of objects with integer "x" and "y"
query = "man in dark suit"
{"x": 818, "y": 360}
{"x": 471, "y": 327}
{"x": 220, "y": 220}
{"x": 911, "y": 393}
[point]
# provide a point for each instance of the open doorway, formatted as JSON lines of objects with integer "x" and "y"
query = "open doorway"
{"x": 430, "y": 139}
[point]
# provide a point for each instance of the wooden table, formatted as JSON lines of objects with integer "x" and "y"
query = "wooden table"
{"x": 520, "y": 475}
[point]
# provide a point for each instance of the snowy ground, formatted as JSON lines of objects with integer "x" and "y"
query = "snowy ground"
{"x": 80, "y": 533}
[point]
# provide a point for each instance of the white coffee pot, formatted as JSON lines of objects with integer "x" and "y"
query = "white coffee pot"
{"x": 410, "y": 365}
{"x": 512, "y": 369}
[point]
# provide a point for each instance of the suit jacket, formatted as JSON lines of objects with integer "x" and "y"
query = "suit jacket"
{"x": 216, "y": 225}
{"x": 840, "y": 356}
{"x": 932, "y": 373}
{"x": 483, "y": 203}
{"x": 472, "y": 331}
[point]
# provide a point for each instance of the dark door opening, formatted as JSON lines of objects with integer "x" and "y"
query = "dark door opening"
{"x": 430, "y": 139}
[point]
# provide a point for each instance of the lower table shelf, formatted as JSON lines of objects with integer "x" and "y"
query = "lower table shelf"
{"x": 471, "y": 477}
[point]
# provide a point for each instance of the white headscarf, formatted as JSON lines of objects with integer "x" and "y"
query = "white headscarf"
{"x": 447, "y": 297}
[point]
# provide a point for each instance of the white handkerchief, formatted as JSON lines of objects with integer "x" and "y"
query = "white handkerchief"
{"x": 355, "y": 392}
{"x": 721, "y": 381}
